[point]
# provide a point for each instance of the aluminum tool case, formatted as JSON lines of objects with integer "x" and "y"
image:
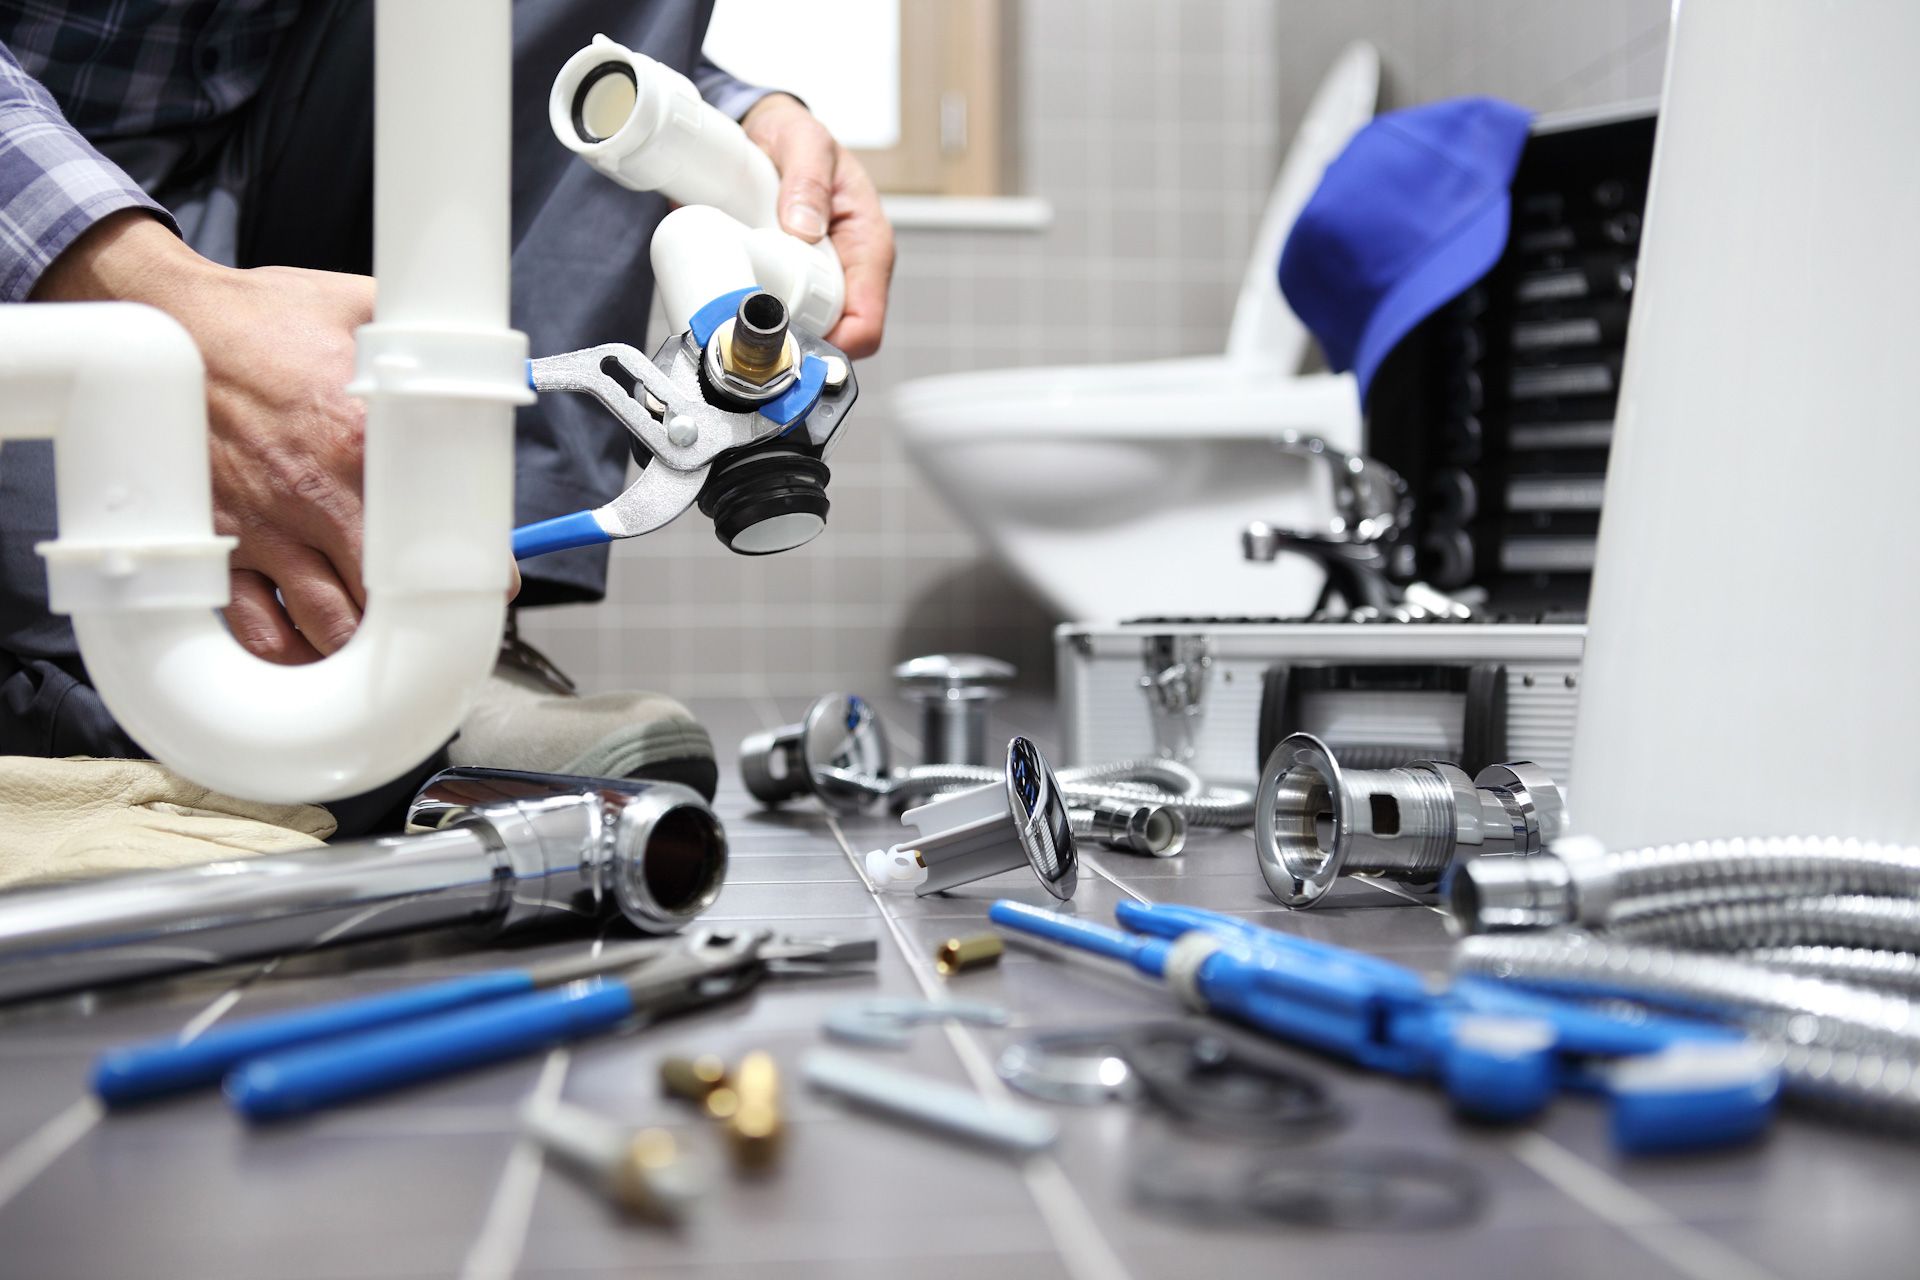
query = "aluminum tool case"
{"x": 1219, "y": 693}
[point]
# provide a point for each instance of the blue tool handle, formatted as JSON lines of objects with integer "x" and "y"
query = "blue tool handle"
{"x": 562, "y": 533}
{"x": 135, "y": 1073}
{"x": 320, "y": 1075}
{"x": 1149, "y": 955}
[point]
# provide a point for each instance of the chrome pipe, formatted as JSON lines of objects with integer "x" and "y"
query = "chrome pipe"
{"x": 488, "y": 849}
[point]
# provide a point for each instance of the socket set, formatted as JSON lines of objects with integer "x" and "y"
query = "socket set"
{"x": 1498, "y": 410}
{"x": 1217, "y": 694}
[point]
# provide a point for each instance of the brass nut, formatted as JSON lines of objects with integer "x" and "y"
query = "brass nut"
{"x": 956, "y": 955}
{"x": 637, "y": 1182}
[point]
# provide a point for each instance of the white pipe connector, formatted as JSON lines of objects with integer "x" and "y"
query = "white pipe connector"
{"x": 121, "y": 391}
{"x": 646, "y": 127}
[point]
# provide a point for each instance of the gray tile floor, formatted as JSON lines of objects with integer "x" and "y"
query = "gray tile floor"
{"x": 432, "y": 1182}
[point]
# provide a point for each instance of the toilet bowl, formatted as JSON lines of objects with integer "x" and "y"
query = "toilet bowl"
{"x": 1121, "y": 490}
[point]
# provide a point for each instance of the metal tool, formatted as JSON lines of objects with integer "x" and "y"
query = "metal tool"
{"x": 954, "y": 691}
{"x": 505, "y": 851}
{"x": 1502, "y": 1054}
{"x": 975, "y": 951}
{"x": 888, "y": 1022}
{"x": 1366, "y": 1190}
{"x": 705, "y": 966}
{"x": 980, "y": 833}
{"x": 1315, "y": 822}
{"x": 934, "y": 1104}
{"x": 641, "y": 1171}
{"x": 738, "y": 414}
{"x": 835, "y": 753}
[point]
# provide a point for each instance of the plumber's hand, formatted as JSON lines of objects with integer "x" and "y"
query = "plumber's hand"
{"x": 286, "y": 439}
{"x": 825, "y": 191}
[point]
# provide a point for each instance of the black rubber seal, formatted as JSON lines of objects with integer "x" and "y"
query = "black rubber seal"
{"x": 593, "y": 78}
{"x": 760, "y": 488}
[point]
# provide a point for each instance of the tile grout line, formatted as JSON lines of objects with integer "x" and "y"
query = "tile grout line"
{"x": 496, "y": 1251}
{"x": 1683, "y": 1247}
{"x": 35, "y": 1154}
{"x": 1680, "y": 1245}
{"x": 1081, "y": 1245}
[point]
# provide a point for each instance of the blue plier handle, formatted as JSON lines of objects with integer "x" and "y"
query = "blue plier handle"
{"x": 1502, "y": 1054}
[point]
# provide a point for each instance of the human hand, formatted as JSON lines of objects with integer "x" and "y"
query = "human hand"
{"x": 286, "y": 440}
{"x": 824, "y": 190}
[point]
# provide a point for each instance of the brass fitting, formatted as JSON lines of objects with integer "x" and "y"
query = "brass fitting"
{"x": 755, "y": 1129}
{"x": 692, "y": 1079}
{"x": 752, "y": 355}
{"x": 956, "y": 955}
{"x": 648, "y": 1180}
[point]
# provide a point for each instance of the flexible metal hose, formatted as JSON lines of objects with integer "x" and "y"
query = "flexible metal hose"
{"x": 1836, "y": 1046}
{"x": 1891, "y": 970}
{"x": 1578, "y": 882}
{"x": 1783, "y": 1006}
{"x": 1148, "y": 781}
{"x": 1882, "y": 924}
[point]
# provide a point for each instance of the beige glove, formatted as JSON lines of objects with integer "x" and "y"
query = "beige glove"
{"x": 77, "y": 818}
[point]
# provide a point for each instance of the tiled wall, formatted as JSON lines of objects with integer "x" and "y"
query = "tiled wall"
{"x": 1154, "y": 127}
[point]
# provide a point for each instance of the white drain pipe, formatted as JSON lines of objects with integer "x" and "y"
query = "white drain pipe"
{"x": 120, "y": 390}
{"x": 646, "y": 127}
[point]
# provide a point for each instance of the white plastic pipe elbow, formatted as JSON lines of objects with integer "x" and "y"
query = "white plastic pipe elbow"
{"x": 121, "y": 391}
{"x": 646, "y": 127}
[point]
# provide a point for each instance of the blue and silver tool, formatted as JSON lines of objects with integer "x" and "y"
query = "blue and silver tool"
{"x": 738, "y": 413}
{"x": 285, "y": 1064}
{"x": 1673, "y": 1083}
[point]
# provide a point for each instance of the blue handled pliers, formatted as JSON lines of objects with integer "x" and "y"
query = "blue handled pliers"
{"x": 287, "y": 1064}
{"x": 1502, "y": 1054}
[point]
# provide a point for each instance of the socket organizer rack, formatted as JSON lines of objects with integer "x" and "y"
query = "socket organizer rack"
{"x": 1219, "y": 694}
{"x": 1498, "y": 410}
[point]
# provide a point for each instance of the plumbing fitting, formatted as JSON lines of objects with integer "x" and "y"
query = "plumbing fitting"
{"x": 1314, "y": 821}
{"x": 836, "y": 753}
{"x": 1148, "y": 829}
{"x": 1836, "y": 1045}
{"x": 742, "y": 400}
{"x": 643, "y": 1172}
{"x": 492, "y": 849}
{"x": 839, "y": 754}
{"x": 1578, "y": 881}
{"x": 954, "y": 691}
{"x": 976, "y": 951}
{"x": 756, "y": 1128}
{"x": 978, "y": 833}
{"x": 1178, "y": 668}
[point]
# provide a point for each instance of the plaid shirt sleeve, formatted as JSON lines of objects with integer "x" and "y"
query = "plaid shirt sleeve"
{"x": 733, "y": 98}
{"x": 53, "y": 185}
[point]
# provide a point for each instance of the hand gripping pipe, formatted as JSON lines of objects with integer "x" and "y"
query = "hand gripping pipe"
{"x": 1577, "y": 881}
{"x": 646, "y": 127}
{"x": 120, "y": 390}
{"x": 499, "y": 851}
{"x": 1835, "y": 1045}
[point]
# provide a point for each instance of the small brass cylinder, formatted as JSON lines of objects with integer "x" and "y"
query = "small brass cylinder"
{"x": 755, "y": 1130}
{"x": 759, "y": 343}
{"x": 693, "y": 1079}
{"x": 646, "y": 1182}
{"x": 975, "y": 952}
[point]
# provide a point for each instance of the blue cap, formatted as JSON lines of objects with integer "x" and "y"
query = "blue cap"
{"x": 1411, "y": 213}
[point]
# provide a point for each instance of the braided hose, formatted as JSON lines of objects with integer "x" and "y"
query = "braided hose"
{"x": 1797, "y": 1010}
{"x": 1145, "y": 781}
{"x": 1892, "y": 970}
{"x": 1875, "y": 924}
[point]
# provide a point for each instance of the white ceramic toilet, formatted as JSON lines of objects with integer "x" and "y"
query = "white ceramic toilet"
{"x": 1121, "y": 490}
